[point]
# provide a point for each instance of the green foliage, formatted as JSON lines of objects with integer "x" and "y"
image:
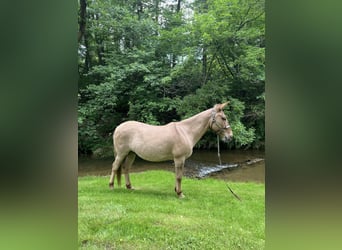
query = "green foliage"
{"x": 201, "y": 100}
{"x": 243, "y": 136}
{"x": 152, "y": 62}
{"x": 96, "y": 116}
{"x": 153, "y": 112}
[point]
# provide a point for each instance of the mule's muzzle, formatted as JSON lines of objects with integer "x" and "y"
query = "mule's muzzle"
{"x": 227, "y": 138}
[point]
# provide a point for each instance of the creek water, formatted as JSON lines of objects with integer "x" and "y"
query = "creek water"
{"x": 237, "y": 165}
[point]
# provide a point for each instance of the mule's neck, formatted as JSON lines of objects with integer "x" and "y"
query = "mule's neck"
{"x": 196, "y": 126}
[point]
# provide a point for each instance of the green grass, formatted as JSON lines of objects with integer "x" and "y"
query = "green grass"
{"x": 152, "y": 217}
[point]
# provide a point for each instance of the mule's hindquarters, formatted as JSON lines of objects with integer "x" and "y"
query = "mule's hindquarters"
{"x": 122, "y": 163}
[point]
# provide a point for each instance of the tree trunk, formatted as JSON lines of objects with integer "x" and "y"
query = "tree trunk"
{"x": 156, "y": 11}
{"x": 139, "y": 9}
{"x": 174, "y": 57}
{"x": 178, "y": 6}
{"x": 204, "y": 64}
{"x": 87, "y": 62}
{"x": 82, "y": 22}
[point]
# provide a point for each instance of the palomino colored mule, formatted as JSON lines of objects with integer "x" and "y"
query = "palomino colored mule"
{"x": 173, "y": 141}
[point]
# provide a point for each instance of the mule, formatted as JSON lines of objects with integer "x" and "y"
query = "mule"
{"x": 173, "y": 141}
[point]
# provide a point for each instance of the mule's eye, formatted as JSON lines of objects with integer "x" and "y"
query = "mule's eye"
{"x": 224, "y": 118}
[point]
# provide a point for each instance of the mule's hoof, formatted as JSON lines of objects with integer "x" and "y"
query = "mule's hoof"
{"x": 129, "y": 186}
{"x": 111, "y": 186}
{"x": 179, "y": 193}
{"x": 181, "y": 196}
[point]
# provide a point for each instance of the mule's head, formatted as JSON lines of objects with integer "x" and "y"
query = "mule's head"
{"x": 219, "y": 122}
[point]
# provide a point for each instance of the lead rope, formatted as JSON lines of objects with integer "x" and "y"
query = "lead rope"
{"x": 218, "y": 149}
{"x": 219, "y": 157}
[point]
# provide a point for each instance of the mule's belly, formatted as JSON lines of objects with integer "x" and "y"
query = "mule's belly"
{"x": 161, "y": 150}
{"x": 154, "y": 154}
{"x": 155, "y": 159}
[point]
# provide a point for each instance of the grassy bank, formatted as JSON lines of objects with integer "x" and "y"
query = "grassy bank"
{"x": 152, "y": 217}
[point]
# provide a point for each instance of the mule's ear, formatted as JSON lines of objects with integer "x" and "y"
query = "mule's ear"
{"x": 218, "y": 108}
{"x": 224, "y": 105}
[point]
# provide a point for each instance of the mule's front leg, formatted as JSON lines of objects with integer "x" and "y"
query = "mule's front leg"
{"x": 179, "y": 167}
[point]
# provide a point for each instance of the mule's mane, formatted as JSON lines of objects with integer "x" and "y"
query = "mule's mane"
{"x": 217, "y": 108}
{"x": 194, "y": 117}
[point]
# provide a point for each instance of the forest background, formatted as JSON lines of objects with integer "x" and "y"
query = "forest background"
{"x": 163, "y": 60}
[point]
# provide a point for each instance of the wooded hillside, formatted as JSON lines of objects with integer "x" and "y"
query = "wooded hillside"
{"x": 162, "y": 60}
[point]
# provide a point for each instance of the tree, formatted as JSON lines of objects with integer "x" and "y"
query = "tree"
{"x": 161, "y": 61}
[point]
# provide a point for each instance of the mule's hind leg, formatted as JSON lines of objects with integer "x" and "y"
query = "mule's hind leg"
{"x": 115, "y": 166}
{"x": 126, "y": 167}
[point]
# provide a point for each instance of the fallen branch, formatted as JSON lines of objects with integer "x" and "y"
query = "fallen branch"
{"x": 237, "y": 197}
